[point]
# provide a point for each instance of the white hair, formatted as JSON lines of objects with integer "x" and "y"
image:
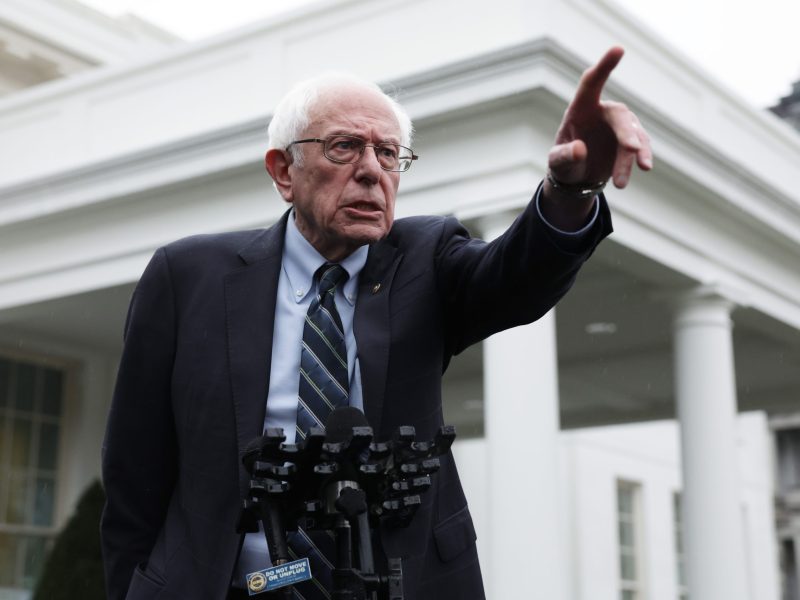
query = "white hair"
{"x": 291, "y": 116}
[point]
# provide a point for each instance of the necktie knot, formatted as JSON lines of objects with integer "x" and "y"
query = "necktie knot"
{"x": 330, "y": 276}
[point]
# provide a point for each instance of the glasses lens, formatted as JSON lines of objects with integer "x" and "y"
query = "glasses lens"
{"x": 405, "y": 157}
{"x": 388, "y": 156}
{"x": 343, "y": 148}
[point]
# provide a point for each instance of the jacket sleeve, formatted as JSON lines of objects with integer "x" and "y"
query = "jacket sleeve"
{"x": 512, "y": 280}
{"x": 139, "y": 451}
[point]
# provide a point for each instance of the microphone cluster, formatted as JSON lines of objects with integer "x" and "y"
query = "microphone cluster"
{"x": 336, "y": 479}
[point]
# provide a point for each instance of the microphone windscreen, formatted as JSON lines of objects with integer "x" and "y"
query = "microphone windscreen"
{"x": 340, "y": 423}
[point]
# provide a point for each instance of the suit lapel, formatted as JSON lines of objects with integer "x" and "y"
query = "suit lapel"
{"x": 372, "y": 327}
{"x": 250, "y": 296}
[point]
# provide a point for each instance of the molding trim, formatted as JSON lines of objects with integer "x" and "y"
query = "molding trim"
{"x": 541, "y": 68}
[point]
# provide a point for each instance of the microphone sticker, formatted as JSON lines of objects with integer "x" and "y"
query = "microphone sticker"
{"x": 279, "y": 576}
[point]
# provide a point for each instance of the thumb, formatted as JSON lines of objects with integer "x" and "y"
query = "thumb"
{"x": 567, "y": 162}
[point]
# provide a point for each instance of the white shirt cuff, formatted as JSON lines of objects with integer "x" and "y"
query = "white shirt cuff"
{"x": 570, "y": 234}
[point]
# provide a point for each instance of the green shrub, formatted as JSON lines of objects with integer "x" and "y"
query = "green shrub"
{"x": 74, "y": 569}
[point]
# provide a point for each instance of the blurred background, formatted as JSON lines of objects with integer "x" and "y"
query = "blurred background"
{"x": 655, "y": 456}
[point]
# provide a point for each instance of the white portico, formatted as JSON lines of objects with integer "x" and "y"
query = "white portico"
{"x": 99, "y": 169}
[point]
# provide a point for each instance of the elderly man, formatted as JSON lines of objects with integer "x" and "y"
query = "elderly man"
{"x": 217, "y": 347}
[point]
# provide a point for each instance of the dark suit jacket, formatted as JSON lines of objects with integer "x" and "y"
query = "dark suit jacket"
{"x": 194, "y": 373}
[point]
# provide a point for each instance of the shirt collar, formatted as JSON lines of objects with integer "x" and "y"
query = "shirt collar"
{"x": 301, "y": 260}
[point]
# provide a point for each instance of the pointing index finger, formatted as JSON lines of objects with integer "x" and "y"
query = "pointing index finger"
{"x": 594, "y": 79}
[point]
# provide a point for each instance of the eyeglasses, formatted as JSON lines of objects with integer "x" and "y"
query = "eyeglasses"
{"x": 346, "y": 149}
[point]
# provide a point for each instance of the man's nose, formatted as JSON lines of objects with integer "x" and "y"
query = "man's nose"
{"x": 368, "y": 166}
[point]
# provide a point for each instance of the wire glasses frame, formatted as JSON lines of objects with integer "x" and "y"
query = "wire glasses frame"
{"x": 347, "y": 149}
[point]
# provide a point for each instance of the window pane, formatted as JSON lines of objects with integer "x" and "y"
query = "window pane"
{"x": 628, "y": 531}
{"x": 8, "y": 554}
{"x": 48, "y": 446}
{"x": 26, "y": 383}
{"x": 625, "y": 501}
{"x": 18, "y": 494}
{"x": 35, "y": 553}
{"x": 21, "y": 437}
{"x": 51, "y": 392}
{"x": 788, "y": 463}
{"x": 5, "y": 376}
{"x": 628, "y": 567}
{"x": 43, "y": 501}
{"x": 626, "y": 534}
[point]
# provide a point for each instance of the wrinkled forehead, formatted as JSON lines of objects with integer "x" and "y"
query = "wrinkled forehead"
{"x": 352, "y": 109}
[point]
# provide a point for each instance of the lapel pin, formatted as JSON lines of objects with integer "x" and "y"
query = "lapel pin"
{"x": 376, "y": 288}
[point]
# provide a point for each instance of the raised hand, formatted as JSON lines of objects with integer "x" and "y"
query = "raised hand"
{"x": 599, "y": 139}
{"x": 596, "y": 141}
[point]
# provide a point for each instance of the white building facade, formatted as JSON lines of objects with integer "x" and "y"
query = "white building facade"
{"x": 641, "y": 465}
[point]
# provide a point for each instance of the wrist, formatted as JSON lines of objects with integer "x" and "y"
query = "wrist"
{"x": 563, "y": 209}
{"x": 574, "y": 191}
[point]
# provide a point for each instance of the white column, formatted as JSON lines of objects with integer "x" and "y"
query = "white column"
{"x": 705, "y": 388}
{"x": 526, "y": 555}
{"x": 83, "y": 427}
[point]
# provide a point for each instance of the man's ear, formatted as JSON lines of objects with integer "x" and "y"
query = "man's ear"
{"x": 277, "y": 163}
